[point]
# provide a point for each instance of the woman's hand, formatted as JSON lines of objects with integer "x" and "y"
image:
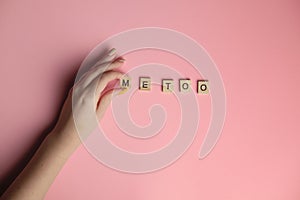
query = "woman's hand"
{"x": 87, "y": 100}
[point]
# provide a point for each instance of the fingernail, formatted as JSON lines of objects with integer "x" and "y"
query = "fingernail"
{"x": 119, "y": 91}
{"x": 123, "y": 91}
{"x": 112, "y": 52}
{"x": 121, "y": 60}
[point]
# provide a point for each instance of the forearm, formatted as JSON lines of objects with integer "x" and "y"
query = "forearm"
{"x": 36, "y": 178}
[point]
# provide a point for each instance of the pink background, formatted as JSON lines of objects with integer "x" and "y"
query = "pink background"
{"x": 256, "y": 46}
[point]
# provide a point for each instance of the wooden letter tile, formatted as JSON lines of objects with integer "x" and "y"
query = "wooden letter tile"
{"x": 145, "y": 83}
{"x": 184, "y": 85}
{"x": 167, "y": 85}
{"x": 202, "y": 87}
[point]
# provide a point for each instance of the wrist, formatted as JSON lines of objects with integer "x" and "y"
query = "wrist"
{"x": 68, "y": 140}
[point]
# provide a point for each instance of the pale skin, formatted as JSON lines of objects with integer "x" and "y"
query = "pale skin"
{"x": 36, "y": 178}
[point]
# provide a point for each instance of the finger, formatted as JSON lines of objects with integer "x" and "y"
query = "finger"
{"x": 108, "y": 57}
{"x": 102, "y": 62}
{"x": 90, "y": 75}
{"x": 101, "y": 82}
{"x": 100, "y": 70}
{"x": 106, "y": 100}
{"x": 104, "y": 103}
{"x": 110, "y": 66}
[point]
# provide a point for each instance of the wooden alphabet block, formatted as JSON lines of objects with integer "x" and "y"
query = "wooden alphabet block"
{"x": 145, "y": 83}
{"x": 202, "y": 87}
{"x": 125, "y": 82}
{"x": 167, "y": 85}
{"x": 184, "y": 85}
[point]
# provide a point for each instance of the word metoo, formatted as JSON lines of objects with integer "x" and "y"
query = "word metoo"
{"x": 167, "y": 85}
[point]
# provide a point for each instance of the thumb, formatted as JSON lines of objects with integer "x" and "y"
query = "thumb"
{"x": 105, "y": 101}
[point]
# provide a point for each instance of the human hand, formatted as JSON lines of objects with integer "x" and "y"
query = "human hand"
{"x": 88, "y": 98}
{"x": 87, "y": 101}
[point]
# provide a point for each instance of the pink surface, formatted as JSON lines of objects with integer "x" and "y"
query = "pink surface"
{"x": 256, "y": 46}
